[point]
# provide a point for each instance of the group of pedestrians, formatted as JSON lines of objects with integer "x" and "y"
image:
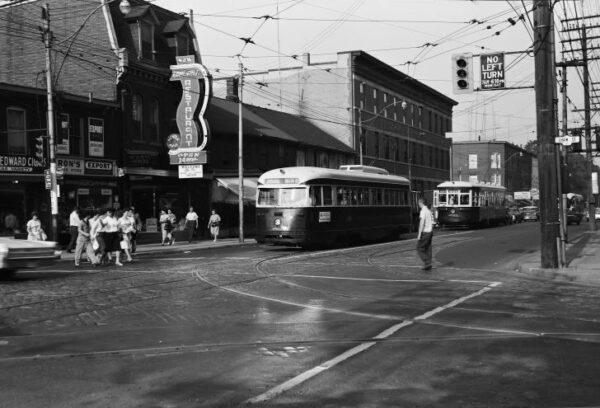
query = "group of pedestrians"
{"x": 104, "y": 235}
{"x": 168, "y": 220}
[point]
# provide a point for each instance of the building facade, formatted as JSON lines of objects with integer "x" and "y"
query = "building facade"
{"x": 115, "y": 106}
{"x": 495, "y": 162}
{"x": 390, "y": 119}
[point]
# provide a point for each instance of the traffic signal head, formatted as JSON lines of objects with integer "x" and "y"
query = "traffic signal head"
{"x": 577, "y": 146}
{"x": 462, "y": 73}
{"x": 39, "y": 148}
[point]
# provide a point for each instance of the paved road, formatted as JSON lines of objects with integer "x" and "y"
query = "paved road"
{"x": 281, "y": 327}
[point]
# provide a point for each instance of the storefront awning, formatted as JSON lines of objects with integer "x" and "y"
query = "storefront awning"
{"x": 226, "y": 190}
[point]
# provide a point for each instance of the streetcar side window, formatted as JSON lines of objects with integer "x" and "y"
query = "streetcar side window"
{"x": 465, "y": 198}
{"x": 292, "y": 197}
{"x": 327, "y": 196}
{"x": 315, "y": 196}
{"x": 342, "y": 196}
{"x": 354, "y": 196}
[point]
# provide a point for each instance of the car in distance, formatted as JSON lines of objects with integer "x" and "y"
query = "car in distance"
{"x": 19, "y": 253}
{"x": 596, "y": 215}
{"x": 531, "y": 213}
{"x": 516, "y": 215}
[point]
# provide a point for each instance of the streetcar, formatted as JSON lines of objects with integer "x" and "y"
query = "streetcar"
{"x": 460, "y": 203}
{"x": 313, "y": 206}
{"x": 575, "y": 208}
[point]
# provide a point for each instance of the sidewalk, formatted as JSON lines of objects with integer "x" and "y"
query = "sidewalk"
{"x": 583, "y": 261}
{"x": 178, "y": 246}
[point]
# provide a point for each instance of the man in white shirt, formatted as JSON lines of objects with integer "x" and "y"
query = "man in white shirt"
{"x": 191, "y": 223}
{"x": 74, "y": 222}
{"x": 425, "y": 235}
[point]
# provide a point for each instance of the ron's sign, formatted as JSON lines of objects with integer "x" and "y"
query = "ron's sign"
{"x": 492, "y": 71}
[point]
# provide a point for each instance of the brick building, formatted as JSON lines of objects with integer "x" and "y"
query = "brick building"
{"x": 390, "y": 119}
{"x": 115, "y": 107}
{"x": 495, "y": 162}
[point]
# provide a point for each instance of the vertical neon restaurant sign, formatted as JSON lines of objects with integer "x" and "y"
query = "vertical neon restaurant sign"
{"x": 188, "y": 146}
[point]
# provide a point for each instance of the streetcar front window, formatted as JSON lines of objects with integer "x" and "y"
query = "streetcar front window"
{"x": 282, "y": 197}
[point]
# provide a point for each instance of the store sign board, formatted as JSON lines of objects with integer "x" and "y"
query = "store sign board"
{"x": 191, "y": 123}
{"x": 96, "y": 137}
{"x": 81, "y": 167}
{"x": 192, "y": 155}
{"x": 20, "y": 164}
{"x": 191, "y": 171}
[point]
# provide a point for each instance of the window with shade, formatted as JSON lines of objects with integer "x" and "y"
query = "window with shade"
{"x": 154, "y": 121}
{"x": 147, "y": 40}
{"x": 16, "y": 132}
{"x": 136, "y": 116}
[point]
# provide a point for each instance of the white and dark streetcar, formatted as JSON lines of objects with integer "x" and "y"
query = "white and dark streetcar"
{"x": 312, "y": 206}
{"x": 465, "y": 204}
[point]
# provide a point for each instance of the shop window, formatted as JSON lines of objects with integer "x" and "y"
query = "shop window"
{"x": 16, "y": 130}
{"x": 136, "y": 116}
{"x": 154, "y": 121}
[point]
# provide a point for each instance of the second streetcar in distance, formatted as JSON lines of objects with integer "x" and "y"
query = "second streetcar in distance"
{"x": 313, "y": 206}
{"x": 461, "y": 203}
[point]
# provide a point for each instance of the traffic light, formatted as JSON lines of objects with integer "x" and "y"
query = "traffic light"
{"x": 462, "y": 73}
{"x": 577, "y": 146}
{"x": 39, "y": 148}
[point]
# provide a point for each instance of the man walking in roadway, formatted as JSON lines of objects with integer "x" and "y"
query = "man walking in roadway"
{"x": 425, "y": 235}
{"x": 74, "y": 222}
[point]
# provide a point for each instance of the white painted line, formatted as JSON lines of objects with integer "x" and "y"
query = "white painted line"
{"x": 302, "y": 305}
{"x": 383, "y": 279}
{"x": 281, "y": 388}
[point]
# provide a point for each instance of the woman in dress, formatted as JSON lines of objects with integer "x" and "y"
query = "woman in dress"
{"x": 84, "y": 242}
{"x": 213, "y": 224}
{"x": 110, "y": 225}
{"x": 126, "y": 227}
{"x": 162, "y": 220}
{"x": 34, "y": 228}
{"x": 171, "y": 225}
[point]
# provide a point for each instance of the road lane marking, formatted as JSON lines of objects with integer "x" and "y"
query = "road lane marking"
{"x": 385, "y": 279}
{"x": 299, "y": 379}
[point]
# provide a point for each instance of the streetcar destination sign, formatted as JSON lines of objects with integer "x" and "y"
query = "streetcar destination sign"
{"x": 492, "y": 71}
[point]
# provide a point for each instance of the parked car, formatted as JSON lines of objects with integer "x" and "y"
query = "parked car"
{"x": 19, "y": 253}
{"x": 516, "y": 214}
{"x": 531, "y": 213}
{"x": 596, "y": 216}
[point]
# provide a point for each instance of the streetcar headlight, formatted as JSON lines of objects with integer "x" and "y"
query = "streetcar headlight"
{"x": 277, "y": 222}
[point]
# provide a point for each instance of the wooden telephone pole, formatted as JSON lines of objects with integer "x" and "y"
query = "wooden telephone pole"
{"x": 546, "y": 130}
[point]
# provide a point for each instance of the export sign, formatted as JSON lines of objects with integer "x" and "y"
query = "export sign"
{"x": 492, "y": 71}
{"x": 96, "y": 137}
{"x": 80, "y": 167}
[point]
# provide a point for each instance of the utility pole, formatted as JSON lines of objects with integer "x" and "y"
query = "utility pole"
{"x": 50, "y": 120}
{"x": 241, "y": 154}
{"x": 588, "y": 130}
{"x": 544, "y": 93}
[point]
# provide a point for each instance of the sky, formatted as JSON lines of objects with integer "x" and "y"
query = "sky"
{"x": 417, "y": 37}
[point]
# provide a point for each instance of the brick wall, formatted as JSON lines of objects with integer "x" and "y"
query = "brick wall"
{"x": 82, "y": 59}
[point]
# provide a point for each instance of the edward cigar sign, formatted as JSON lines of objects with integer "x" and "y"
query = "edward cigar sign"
{"x": 188, "y": 146}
